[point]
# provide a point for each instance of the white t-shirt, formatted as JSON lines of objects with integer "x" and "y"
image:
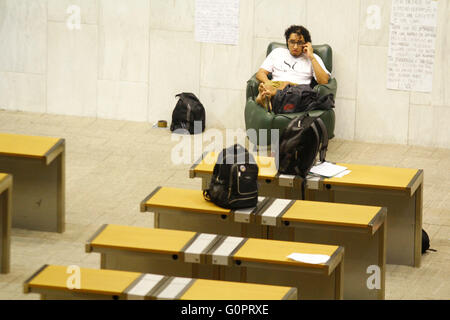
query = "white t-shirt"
{"x": 286, "y": 67}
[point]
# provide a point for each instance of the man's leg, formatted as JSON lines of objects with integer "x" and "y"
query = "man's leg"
{"x": 266, "y": 92}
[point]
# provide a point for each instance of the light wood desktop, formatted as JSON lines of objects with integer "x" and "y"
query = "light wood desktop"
{"x": 51, "y": 282}
{"x": 398, "y": 189}
{"x": 38, "y": 167}
{"x": 359, "y": 229}
{"x": 199, "y": 255}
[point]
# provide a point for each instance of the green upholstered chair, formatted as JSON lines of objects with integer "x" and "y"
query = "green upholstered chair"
{"x": 256, "y": 117}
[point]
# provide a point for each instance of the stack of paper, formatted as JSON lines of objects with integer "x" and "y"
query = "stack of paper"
{"x": 327, "y": 169}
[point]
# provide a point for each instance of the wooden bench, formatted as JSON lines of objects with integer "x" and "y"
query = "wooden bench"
{"x": 359, "y": 229}
{"x": 210, "y": 256}
{"x": 5, "y": 221}
{"x": 398, "y": 189}
{"x": 38, "y": 167}
{"x": 51, "y": 282}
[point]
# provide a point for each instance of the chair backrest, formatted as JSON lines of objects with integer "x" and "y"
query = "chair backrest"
{"x": 322, "y": 50}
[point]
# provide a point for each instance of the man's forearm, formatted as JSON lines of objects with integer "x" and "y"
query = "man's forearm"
{"x": 321, "y": 76}
{"x": 261, "y": 76}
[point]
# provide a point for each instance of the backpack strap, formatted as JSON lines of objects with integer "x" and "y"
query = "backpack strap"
{"x": 324, "y": 142}
{"x": 303, "y": 188}
{"x": 206, "y": 195}
{"x": 316, "y": 132}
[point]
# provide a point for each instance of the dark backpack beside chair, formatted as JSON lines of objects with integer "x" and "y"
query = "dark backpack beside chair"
{"x": 234, "y": 182}
{"x": 188, "y": 110}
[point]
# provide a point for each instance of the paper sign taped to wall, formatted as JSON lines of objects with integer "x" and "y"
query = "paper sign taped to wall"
{"x": 412, "y": 40}
{"x": 217, "y": 21}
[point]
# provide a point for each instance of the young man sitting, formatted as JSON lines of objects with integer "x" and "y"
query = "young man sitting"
{"x": 295, "y": 65}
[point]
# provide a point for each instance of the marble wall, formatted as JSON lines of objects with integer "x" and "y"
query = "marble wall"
{"x": 127, "y": 60}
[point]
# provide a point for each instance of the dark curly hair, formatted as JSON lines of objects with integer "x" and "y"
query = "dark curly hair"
{"x": 300, "y": 30}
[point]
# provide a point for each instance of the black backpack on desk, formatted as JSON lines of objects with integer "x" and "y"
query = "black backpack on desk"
{"x": 301, "y": 141}
{"x": 188, "y": 110}
{"x": 234, "y": 180}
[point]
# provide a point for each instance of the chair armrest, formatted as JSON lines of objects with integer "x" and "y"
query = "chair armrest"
{"x": 324, "y": 89}
{"x": 281, "y": 121}
{"x": 257, "y": 118}
{"x": 252, "y": 87}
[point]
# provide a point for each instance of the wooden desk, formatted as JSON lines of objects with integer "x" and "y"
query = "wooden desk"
{"x": 209, "y": 256}
{"x": 5, "y": 221}
{"x": 398, "y": 189}
{"x": 206, "y": 216}
{"x": 359, "y": 229}
{"x": 50, "y": 281}
{"x": 38, "y": 167}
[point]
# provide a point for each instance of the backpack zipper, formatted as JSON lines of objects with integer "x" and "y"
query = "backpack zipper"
{"x": 240, "y": 199}
{"x": 239, "y": 189}
{"x": 188, "y": 115}
{"x": 231, "y": 180}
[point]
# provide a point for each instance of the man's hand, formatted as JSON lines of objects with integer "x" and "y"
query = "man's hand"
{"x": 308, "y": 50}
{"x": 321, "y": 76}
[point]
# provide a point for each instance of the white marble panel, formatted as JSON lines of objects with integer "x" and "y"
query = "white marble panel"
{"x": 172, "y": 15}
{"x": 123, "y": 40}
{"x": 72, "y": 70}
{"x": 224, "y": 108}
{"x": 337, "y": 23}
{"x": 441, "y": 114}
{"x": 23, "y": 36}
{"x": 374, "y": 22}
{"x": 174, "y": 68}
{"x": 122, "y": 100}
{"x": 381, "y": 114}
{"x": 345, "y": 119}
{"x": 228, "y": 66}
{"x": 24, "y": 92}
{"x": 428, "y": 126}
{"x": 440, "y": 94}
{"x": 259, "y": 50}
{"x": 446, "y": 53}
{"x": 59, "y": 10}
{"x": 421, "y": 125}
{"x": 272, "y": 18}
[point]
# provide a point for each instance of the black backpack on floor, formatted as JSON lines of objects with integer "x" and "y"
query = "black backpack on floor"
{"x": 188, "y": 110}
{"x": 234, "y": 180}
{"x": 426, "y": 242}
{"x": 301, "y": 141}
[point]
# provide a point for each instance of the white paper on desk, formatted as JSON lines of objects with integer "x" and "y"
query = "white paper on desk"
{"x": 327, "y": 169}
{"x": 343, "y": 173}
{"x": 309, "y": 258}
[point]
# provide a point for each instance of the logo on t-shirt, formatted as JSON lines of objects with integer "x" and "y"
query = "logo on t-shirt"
{"x": 291, "y": 67}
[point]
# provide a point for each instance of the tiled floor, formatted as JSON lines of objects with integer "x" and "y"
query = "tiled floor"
{"x": 112, "y": 165}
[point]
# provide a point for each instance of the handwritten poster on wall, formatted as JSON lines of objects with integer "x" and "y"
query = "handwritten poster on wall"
{"x": 217, "y": 21}
{"x": 412, "y": 45}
